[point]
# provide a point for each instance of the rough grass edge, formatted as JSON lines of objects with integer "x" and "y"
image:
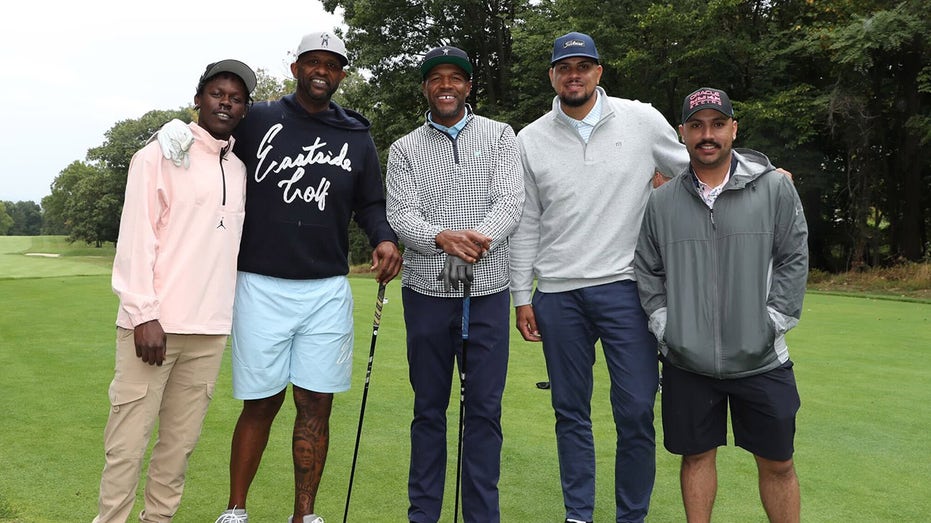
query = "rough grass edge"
{"x": 907, "y": 281}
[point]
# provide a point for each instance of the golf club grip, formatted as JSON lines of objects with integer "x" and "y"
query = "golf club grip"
{"x": 379, "y": 303}
{"x": 466, "y": 304}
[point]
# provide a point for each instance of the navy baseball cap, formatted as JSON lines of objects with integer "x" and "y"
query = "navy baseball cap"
{"x": 446, "y": 54}
{"x": 706, "y": 98}
{"x": 574, "y": 44}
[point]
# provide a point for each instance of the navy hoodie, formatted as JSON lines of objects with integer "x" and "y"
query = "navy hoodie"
{"x": 308, "y": 175}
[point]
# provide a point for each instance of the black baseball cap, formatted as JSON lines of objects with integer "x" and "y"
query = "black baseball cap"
{"x": 446, "y": 54}
{"x": 706, "y": 98}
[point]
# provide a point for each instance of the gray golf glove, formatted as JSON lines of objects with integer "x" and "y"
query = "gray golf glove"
{"x": 175, "y": 139}
{"x": 456, "y": 271}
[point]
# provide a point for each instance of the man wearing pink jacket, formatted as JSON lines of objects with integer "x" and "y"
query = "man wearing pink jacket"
{"x": 175, "y": 275}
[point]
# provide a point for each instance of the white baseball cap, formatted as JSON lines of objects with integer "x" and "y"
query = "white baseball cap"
{"x": 323, "y": 41}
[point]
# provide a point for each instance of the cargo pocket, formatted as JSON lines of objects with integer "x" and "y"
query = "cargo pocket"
{"x": 125, "y": 392}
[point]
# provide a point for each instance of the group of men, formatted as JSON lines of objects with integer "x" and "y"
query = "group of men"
{"x": 549, "y": 219}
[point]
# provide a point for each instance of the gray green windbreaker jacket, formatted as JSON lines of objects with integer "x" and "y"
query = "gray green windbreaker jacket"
{"x": 722, "y": 286}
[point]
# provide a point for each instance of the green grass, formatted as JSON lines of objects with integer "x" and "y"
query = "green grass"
{"x": 862, "y": 446}
{"x": 28, "y": 257}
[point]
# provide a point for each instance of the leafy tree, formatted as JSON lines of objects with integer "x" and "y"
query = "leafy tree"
{"x": 876, "y": 112}
{"x": 56, "y": 221}
{"x": 95, "y": 209}
{"x": 536, "y": 27}
{"x": 73, "y": 202}
{"x": 27, "y": 218}
{"x": 387, "y": 40}
{"x": 6, "y": 221}
{"x": 87, "y": 197}
{"x": 268, "y": 87}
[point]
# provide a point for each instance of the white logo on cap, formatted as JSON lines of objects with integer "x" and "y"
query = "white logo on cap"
{"x": 446, "y": 51}
{"x": 573, "y": 43}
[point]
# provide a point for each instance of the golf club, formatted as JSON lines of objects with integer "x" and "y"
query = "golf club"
{"x": 379, "y": 302}
{"x": 466, "y": 299}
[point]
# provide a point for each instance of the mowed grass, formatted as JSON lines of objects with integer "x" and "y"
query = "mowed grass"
{"x": 863, "y": 451}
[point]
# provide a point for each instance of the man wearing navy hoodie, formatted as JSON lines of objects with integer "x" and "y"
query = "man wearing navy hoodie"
{"x": 311, "y": 167}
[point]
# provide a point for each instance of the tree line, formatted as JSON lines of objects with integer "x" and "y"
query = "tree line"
{"x": 838, "y": 92}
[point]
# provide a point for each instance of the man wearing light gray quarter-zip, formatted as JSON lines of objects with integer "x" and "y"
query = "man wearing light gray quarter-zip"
{"x": 589, "y": 167}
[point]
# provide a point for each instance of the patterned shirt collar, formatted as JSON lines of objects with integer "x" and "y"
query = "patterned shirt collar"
{"x": 708, "y": 193}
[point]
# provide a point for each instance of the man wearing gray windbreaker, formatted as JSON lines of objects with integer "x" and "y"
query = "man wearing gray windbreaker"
{"x": 721, "y": 264}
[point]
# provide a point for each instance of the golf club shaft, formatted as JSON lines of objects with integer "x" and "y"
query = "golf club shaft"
{"x": 466, "y": 302}
{"x": 379, "y": 302}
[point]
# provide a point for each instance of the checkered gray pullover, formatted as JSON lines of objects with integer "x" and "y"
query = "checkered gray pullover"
{"x": 435, "y": 182}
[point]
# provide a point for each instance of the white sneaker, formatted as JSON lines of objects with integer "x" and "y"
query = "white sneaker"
{"x": 233, "y": 515}
{"x": 309, "y": 518}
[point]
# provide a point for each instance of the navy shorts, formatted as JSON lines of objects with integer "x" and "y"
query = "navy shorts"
{"x": 763, "y": 409}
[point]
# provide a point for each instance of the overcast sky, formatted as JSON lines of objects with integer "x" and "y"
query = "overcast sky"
{"x": 70, "y": 70}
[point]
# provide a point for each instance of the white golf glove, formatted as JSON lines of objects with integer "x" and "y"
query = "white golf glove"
{"x": 175, "y": 139}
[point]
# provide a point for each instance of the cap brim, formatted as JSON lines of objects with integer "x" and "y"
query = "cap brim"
{"x": 697, "y": 108}
{"x": 460, "y": 62}
{"x": 575, "y": 55}
{"x": 342, "y": 58}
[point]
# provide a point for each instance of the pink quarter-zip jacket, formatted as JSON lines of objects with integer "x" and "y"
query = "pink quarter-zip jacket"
{"x": 179, "y": 238}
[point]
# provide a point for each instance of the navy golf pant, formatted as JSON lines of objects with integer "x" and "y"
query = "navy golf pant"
{"x": 434, "y": 343}
{"x": 571, "y": 323}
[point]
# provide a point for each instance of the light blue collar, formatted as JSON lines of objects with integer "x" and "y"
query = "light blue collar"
{"x": 454, "y": 130}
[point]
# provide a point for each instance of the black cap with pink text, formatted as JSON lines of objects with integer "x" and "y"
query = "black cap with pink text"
{"x": 706, "y": 98}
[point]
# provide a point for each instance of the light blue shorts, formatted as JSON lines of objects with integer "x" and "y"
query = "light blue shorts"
{"x": 297, "y": 331}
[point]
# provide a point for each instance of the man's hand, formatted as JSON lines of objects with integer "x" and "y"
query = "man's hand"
{"x": 527, "y": 323}
{"x": 150, "y": 342}
{"x": 455, "y": 271}
{"x": 467, "y": 244}
{"x": 175, "y": 139}
{"x": 386, "y": 261}
{"x": 659, "y": 179}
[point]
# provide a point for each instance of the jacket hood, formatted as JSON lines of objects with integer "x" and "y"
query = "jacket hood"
{"x": 750, "y": 165}
{"x": 336, "y": 116}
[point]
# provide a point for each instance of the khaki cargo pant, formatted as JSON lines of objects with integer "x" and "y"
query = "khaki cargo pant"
{"x": 176, "y": 395}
